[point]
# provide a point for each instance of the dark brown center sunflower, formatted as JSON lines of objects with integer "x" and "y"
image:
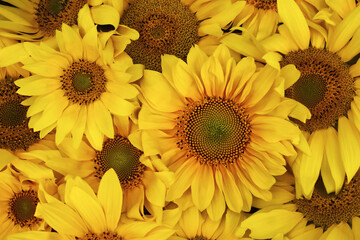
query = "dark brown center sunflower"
{"x": 14, "y": 131}
{"x": 324, "y": 209}
{"x": 165, "y": 27}
{"x": 264, "y": 4}
{"x": 102, "y": 236}
{"x": 22, "y": 208}
{"x": 325, "y": 86}
{"x": 214, "y": 131}
{"x": 118, "y": 153}
{"x": 83, "y": 82}
{"x": 51, "y": 14}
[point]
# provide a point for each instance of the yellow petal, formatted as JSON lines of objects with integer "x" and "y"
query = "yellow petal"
{"x": 155, "y": 189}
{"x": 356, "y": 227}
{"x": 66, "y": 122}
{"x": 202, "y": 195}
{"x": 105, "y": 14}
{"x": 217, "y": 206}
{"x": 33, "y": 170}
{"x": 242, "y": 45}
{"x": 89, "y": 209}
{"x": 117, "y": 105}
{"x": 62, "y": 218}
{"x": 267, "y": 224}
{"x": 341, "y": 231}
{"x": 310, "y": 164}
{"x": 34, "y": 235}
{"x": 332, "y": 152}
{"x": 344, "y": 31}
{"x": 352, "y": 48}
{"x": 6, "y": 157}
{"x": 191, "y": 222}
{"x": 349, "y": 142}
{"x": 294, "y": 19}
{"x": 72, "y": 42}
{"x": 110, "y": 196}
{"x": 44, "y": 69}
{"x": 92, "y": 131}
{"x": 78, "y": 131}
{"x": 103, "y": 119}
{"x": 342, "y": 7}
{"x": 85, "y": 20}
{"x": 12, "y": 54}
{"x": 90, "y": 42}
{"x": 39, "y": 87}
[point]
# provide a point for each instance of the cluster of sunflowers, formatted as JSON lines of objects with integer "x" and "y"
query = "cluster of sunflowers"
{"x": 179, "y": 119}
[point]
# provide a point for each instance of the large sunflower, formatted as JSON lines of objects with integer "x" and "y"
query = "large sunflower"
{"x": 86, "y": 215}
{"x": 19, "y": 198}
{"x": 77, "y": 89}
{"x": 322, "y": 49}
{"x": 217, "y": 125}
{"x": 144, "y": 180}
{"x": 323, "y": 216}
{"x": 34, "y": 20}
{"x": 172, "y": 27}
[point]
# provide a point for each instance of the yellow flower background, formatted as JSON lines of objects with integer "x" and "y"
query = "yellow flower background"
{"x": 179, "y": 119}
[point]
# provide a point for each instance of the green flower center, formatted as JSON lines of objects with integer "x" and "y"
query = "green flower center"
{"x": 12, "y": 114}
{"x": 157, "y": 32}
{"x": 309, "y": 90}
{"x": 56, "y": 6}
{"x": 82, "y": 82}
{"x": 22, "y": 208}
{"x": 123, "y": 157}
{"x": 215, "y": 131}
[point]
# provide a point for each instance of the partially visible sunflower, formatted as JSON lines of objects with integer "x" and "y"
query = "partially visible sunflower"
{"x": 322, "y": 49}
{"x": 90, "y": 216}
{"x": 195, "y": 225}
{"x": 19, "y": 198}
{"x": 34, "y": 20}
{"x": 144, "y": 180}
{"x": 215, "y": 124}
{"x": 324, "y": 216}
{"x": 78, "y": 89}
{"x": 172, "y": 27}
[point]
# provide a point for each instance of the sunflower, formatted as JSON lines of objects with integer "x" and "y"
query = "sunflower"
{"x": 78, "y": 89}
{"x": 86, "y": 215}
{"x": 172, "y": 27}
{"x": 217, "y": 122}
{"x": 19, "y": 198}
{"x": 144, "y": 180}
{"x": 195, "y": 225}
{"x": 260, "y": 18}
{"x": 323, "y": 216}
{"x": 323, "y": 50}
{"x": 34, "y": 20}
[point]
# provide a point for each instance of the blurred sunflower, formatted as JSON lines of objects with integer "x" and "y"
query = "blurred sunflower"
{"x": 85, "y": 215}
{"x": 173, "y": 27}
{"x": 34, "y": 20}
{"x": 212, "y": 121}
{"x": 19, "y": 198}
{"x": 323, "y": 216}
{"x": 195, "y": 225}
{"x": 77, "y": 89}
{"x": 321, "y": 49}
{"x": 144, "y": 180}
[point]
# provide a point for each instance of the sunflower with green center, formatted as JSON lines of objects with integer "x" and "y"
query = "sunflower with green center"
{"x": 19, "y": 198}
{"x": 221, "y": 126}
{"x": 323, "y": 216}
{"x": 144, "y": 180}
{"x": 86, "y": 215}
{"x": 78, "y": 89}
{"x": 171, "y": 27}
{"x": 34, "y": 20}
{"x": 323, "y": 50}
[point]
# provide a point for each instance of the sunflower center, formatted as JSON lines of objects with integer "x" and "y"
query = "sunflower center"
{"x": 118, "y": 153}
{"x": 199, "y": 238}
{"x": 214, "y": 131}
{"x": 14, "y": 131}
{"x": 51, "y": 14}
{"x": 325, "y": 86}
{"x": 101, "y": 236}
{"x": 83, "y": 82}
{"x": 264, "y": 4}
{"x": 56, "y": 6}
{"x": 165, "y": 26}
{"x": 12, "y": 114}
{"x": 324, "y": 209}
{"x": 22, "y": 208}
